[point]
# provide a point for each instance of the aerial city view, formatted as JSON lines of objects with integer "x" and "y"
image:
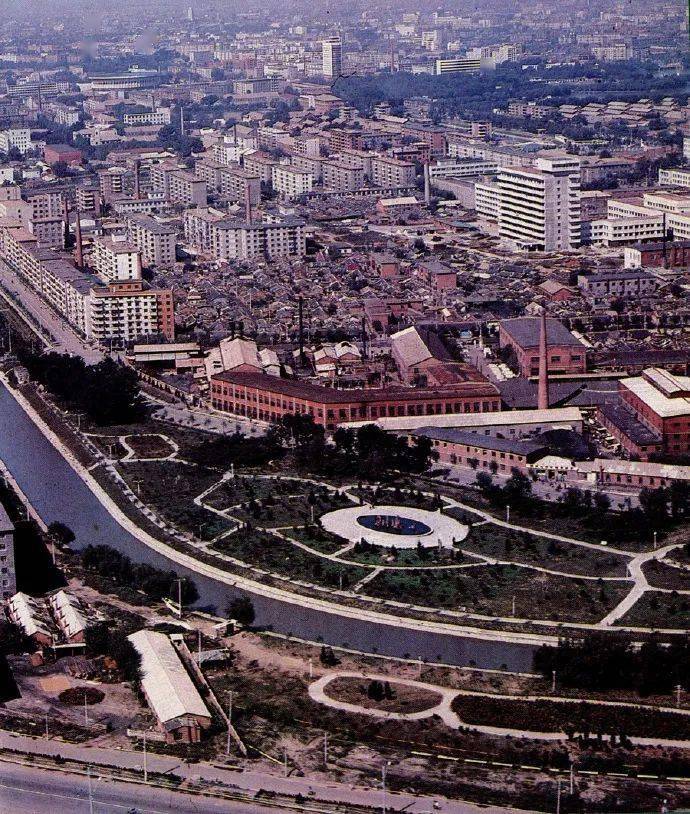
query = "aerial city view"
{"x": 344, "y": 406}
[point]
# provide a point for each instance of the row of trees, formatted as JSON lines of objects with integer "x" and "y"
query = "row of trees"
{"x": 606, "y": 661}
{"x": 107, "y": 392}
{"x": 363, "y": 452}
{"x": 157, "y": 584}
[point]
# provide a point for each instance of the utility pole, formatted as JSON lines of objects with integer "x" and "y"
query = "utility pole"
{"x": 227, "y": 746}
{"x": 558, "y": 797}
{"x": 383, "y": 786}
{"x": 507, "y": 514}
{"x": 655, "y": 540}
{"x": 285, "y": 761}
{"x": 46, "y": 726}
{"x": 88, "y": 780}
{"x": 325, "y": 748}
{"x": 146, "y": 773}
{"x": 179, "y": 596}
{"x": 513, "y": 613}
{"x": 86, "y": 711}
{"x": 553, "y": 681}
{"x": 572, "y": 779}
{"x": 678, "y": 692}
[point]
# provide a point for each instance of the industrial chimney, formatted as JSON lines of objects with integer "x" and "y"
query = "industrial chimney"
{"x": 301, "y": 330}
{"x": 427, "y": 184}
{"x": 80, "y": 245}
{"x": 247, "y": 205}
{"x": 137, "y": 180}
{"x": 543, "y": 394}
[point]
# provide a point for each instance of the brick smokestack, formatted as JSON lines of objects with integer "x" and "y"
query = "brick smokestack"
{"x": 247, "y": 204}
{"x": 80, "y": 245}
{"x": 543, "y": 396}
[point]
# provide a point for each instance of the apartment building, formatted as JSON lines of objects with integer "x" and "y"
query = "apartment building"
{"x": 310, "y": 164}
{"x": 111, "y": 183}
{"x": 180, "y": 187}
{"x": 199, "y": 228}
{"x": 611, "y": 285}
{"x": 332, "y": 57}
{"x": 539, "y": 207}
{"x": 8, "y": 578}
{"x": 154, "y": 118}
{"x": 129, "y": 310}
{"x": 391, "y": 172}
{"x": 238, "y": 240}
{"x": 232, "y": 182}
{"x": 18, "y": 138}
{"x": 261, "y": 165}
{"x": 291, "y": 182}
{"x": 154, "y": 239}
{"x": 459, "y": 65}
{"x": 339, "y": 177}
{"x": 487, "y": 199}
{"x": 114, "y": 258}
{"x": 121, "y": 310}
{"x": 626, "y": 231}
{"x": 674, "y": 177}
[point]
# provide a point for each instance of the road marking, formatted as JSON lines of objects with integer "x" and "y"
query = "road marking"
{"x": 81, "y": 799}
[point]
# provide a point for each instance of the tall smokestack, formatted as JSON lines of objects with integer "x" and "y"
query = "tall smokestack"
{"x": 234, "y": 134}
{"x": 80, "y": 245}
{"x": 301, "y": 330}
{"x": 137, "y": 180}
{"x": 247, "y": 204}
{"x": 543, "y": 395}
{"x": 427, "y": 184}
{"x": 181, "y": 120}
{"x": 65, "y": 219}
{"x": 365, "y": 338}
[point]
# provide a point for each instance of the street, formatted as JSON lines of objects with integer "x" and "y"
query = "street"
{"x": 29, "y": 790}
{"x": 66, "y": 338}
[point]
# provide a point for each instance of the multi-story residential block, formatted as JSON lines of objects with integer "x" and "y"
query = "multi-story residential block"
{"x": 156, "y": 118}
{"x": 180, "y": 187}
{"x": 8, "y": 577}
{"x": 626, "y": 231}
{"x": 304, "y": 163}
{"x": 111, "y": 183}
{"x": 487, "y": 199}
{"x": 291, "y": 182}
{"x": 114, "y": 258}
{"x": 88, "y": 199}
{"x": 261, "y": 165}
{"x": 18, "y": 138}
{"x": 539, "y": 207}
{"x": 233, "y": 182}
{"x": 674, "y": 177}
{"x": 339, "y": 177}
{"x": 123, "y": 309}
{"x": 154, "y": 239}
{"x": 390, "y": 172}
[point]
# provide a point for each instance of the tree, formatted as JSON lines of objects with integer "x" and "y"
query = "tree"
{"x": 63, "y": 534}
{"x": 241, "y": 609}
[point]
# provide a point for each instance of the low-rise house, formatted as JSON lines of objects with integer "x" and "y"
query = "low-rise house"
{"x": 170, "y": 692}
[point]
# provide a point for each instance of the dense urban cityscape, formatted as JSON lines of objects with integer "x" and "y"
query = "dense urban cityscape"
{"x": 345, "y": 406}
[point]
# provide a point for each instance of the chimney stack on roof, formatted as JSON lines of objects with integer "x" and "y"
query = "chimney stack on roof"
{"x": 543, "y": 395}
{"x": 80, "y": 246}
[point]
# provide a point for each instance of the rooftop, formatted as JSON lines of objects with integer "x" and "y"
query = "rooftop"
{"x": 525, "y": 331}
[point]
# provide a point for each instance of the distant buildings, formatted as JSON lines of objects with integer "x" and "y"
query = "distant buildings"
{"x": 17, "y": 138}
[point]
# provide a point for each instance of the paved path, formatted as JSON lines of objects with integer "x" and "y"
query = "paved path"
{"x": 444, "y": 709}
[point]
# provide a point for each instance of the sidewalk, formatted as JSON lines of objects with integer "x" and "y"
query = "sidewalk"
{"x": 314, "y": 789}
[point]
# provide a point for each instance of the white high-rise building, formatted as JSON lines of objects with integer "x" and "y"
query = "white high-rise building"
{"x": 332, "y": 55}
{"x": 539, "y": 207}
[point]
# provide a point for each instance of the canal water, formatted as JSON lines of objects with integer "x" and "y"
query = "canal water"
{"x": 57, "y": 493}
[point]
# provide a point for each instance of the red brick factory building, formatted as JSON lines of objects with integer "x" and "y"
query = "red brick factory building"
{"x": 566, "y": 354}
{"x": 267, "y": 398}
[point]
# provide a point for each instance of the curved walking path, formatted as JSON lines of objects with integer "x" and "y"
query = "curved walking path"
{"x": 317, "y": 692}
{"x": 449, "y": 717}
{"x": 463, "y": 628}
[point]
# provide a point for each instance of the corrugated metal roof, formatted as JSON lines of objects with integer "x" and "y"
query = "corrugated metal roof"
{"x": 166, "y": 683}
